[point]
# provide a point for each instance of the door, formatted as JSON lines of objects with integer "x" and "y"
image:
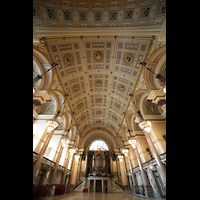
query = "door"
{"x": 98, "y": 186}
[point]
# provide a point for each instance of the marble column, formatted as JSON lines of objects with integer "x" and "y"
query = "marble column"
{"x": 41, "y": 154}
{"x": 89, "y": 186}
{"x": 135, "y": 185}
{"x": 56, "y": 165}
{"x": 67, "y": 180}
{"x": 93, "y": 164}
{"x": 124, "y": 164}
{"x": 160, "y": 165}
{"x": 85, "y": 167}
{"x": 147, "y": 186}
{"x": 68, "y": 121}
{"x": 79, "y": 168}
{"x": 65, "y": 172}
{"x": 94, "y": 185}
{"x": 111, "y": 166}
{"x": 72, "y": 164}
{"x": 73, "y": 129}
{"x": 118, "y": 169}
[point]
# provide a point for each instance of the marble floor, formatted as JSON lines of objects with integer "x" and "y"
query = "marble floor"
{"x": 99, "y": 196}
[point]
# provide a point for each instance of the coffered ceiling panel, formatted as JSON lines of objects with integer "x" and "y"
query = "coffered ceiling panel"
{"x": 98, "y": 73}
{"x": 98, "y": 48}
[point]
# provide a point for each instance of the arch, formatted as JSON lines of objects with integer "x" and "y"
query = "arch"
{"x": 99, "y": 145}
{"x": 154, "y": 62}
{"x": 50, "y": 107}
{"x": 161, "y": 64}
{"x": 43, "y": 63}
{"x": 37, "y": 69}
{"x": 147, "y": 109}
{"x": 93, "y": 135}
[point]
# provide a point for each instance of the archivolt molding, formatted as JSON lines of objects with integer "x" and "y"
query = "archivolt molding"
{"x": 40, "y": 70}
{"x": 86, "y": 141}
{"x": 155, "y": 59}
{"x": 91, "y": 131}
{"x": 98, "y": 128}
{"x": 43, "y": 59}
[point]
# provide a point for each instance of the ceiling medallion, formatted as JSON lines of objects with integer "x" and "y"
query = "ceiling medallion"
{"x": 121, "y": 87}
{"x": 128, "y": 59}
{"x": 98, "y": 83}
{"x": 68, "y": 59}
{"x": 75, "y": 88}
{"x": 98, "y": 56}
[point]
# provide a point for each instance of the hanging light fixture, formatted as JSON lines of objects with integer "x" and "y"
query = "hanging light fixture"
{"x": 125, "y": 152}
{"x": 143, "y": 124}
{"x": 158, "y": 76}
{"x": 52, "y": 124}
{"x": 38, "y": 77}
{"x": 132, "y": 142}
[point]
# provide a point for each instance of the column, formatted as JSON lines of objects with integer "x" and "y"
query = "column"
{"x": 160, "y": 165}
{"x": 118, "y": 169}
{"x": 102, "y": 185}
{"x": 135, "y": 185}
{"x": 89, "y": 186}
{"x": 85, "y": 167}
{"x": 41, "y": 154}
{"x": 65, "y": 172}
{"x": 147, "y": 186}
{"x": 51, "y": 125}
{"x": 111, "y": 166}
{"x": 73, "y": 133}
{"x": 72, "y": 164}
{"x": 124, "y": 161}
{"x": 130, "y": 182}
{"x": 79, "y": 168}
{"x": 67, "y": 180}
{"x": 93, "y": 164}
{"x": 56, "y": 165}
{"x": 94, "y": 185}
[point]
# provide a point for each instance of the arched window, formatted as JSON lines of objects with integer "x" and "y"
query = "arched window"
{"x": 98, "y": 145}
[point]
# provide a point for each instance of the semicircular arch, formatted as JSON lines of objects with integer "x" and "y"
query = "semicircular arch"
{"x": 86, "y": 141}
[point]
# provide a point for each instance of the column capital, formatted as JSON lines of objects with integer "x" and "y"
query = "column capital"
{"x": 41, "y": 95}
{"x": 154, "y": 94}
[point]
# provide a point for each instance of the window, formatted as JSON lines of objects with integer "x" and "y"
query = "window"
{"x": 98, "y": 145}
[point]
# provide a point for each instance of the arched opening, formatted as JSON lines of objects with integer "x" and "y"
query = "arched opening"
{"x": 98, "y": 145}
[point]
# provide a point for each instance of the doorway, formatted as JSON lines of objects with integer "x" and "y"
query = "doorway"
{"x": 98, "y": 186}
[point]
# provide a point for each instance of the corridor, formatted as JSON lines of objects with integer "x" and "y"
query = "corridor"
{"x": 99, "y": 196}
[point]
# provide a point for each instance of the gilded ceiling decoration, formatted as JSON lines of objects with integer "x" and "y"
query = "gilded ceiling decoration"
{"x": 99, "y": 72}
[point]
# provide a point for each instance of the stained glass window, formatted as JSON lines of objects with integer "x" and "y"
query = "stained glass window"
{"x": 98, "y": 145}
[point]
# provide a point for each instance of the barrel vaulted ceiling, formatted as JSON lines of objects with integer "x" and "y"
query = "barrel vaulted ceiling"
{"x": 98, "y": 72}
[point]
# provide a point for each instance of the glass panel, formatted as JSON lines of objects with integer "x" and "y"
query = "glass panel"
{"x": 98, "y": 145}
